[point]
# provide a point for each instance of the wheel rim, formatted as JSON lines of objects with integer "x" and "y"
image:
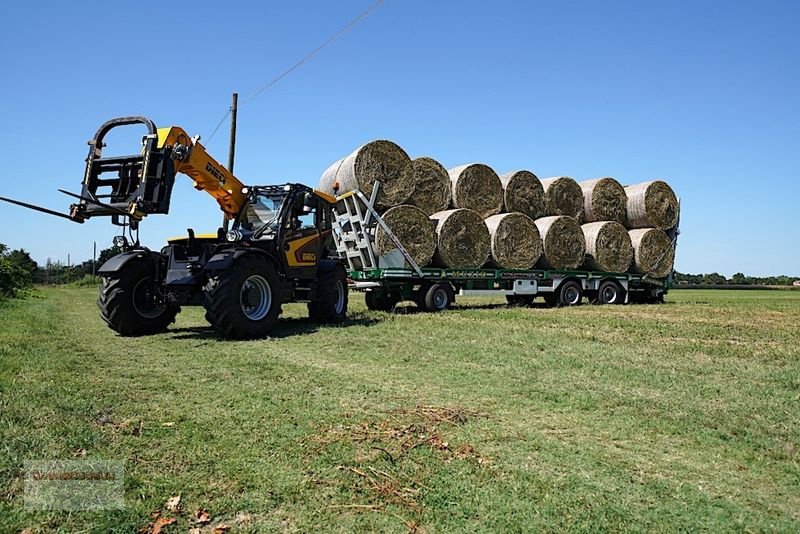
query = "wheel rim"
{"x": 255, "y": 297}
{"x": 144, "y": 299}
{"x": 609, "y": 294}
{"x": 439, "y": 299}
{"x": 572, "y": 295}
{"x": 339, "y": 297}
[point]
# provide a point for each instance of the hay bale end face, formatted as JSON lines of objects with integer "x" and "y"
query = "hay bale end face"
{"x": 523, "y": 193}
{"x": 413, "y": 229}
{"x": 563, "y": 244}
{"x": 608, "y": 246}
{"x": 653, "y": 252}
{"x": 652, "y": 205}
{"x": 382, "y": 161}
{"x": 604, "y": 199}
{"x": 563, "y": 196}
{"x": 476, "y": 187}
{"x": 431, "y": 186}
{"x": 462, "y": 239}
{"x": 515, "y": 241}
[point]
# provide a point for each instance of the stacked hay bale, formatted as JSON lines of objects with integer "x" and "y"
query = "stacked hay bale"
{"x": 469, "y": 217}
{"x": 652, "y": 209}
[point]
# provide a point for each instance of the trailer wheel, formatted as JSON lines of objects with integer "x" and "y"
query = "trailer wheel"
{"x": 436, "y": 297}
{"x": 380, "y": 300}
{"x": 570, "y": 294}
{"x": 245, "y": 300}
{"x": 609, "y": 292}
{"x": 330, "y": 302}
{"x": 131, "y": 301}
{"x": 520, "y": 300}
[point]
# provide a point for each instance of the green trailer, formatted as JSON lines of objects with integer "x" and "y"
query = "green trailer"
{"x": 394, "y": 277}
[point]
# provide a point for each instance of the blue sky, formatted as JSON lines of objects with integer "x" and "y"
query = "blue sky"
{"x": 703, "y": 94}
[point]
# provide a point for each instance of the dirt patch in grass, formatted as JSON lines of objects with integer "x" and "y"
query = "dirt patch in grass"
{"x": 385, "y": 472}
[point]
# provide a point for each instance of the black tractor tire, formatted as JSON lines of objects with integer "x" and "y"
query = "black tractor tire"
{"x": 329, "y": 305}
{"x": 609, "y": 292}
{"x": 435, "y": 297}
{"x": 380, "y": 300}
{"x": 570, "y": 293}
{"x": 520, "y": 301}
{"x": 244, "y": 301}
{"x": 130, "y": 302}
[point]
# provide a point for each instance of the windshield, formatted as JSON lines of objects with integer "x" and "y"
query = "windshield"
{"x": 260, "y": 211}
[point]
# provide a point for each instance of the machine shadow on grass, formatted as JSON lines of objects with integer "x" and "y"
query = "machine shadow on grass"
{"x": 284, "y": 328}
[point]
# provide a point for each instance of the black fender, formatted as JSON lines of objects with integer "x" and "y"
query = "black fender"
{"x": 118, "y": 262}
{"x": 226, "y": 258}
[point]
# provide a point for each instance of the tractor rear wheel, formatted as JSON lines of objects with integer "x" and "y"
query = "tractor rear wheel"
{"x": 330, "y": 300}
{"x": 243, "y": 301}
{"x": 131, "y": 301}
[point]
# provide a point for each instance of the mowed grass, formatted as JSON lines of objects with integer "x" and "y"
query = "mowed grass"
{"x": 681, "y": 416}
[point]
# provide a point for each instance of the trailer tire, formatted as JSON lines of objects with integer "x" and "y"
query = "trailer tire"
{"x": 609, "y": 292}
{"x": 520, "y": 300}
{"x": 329, "y": 304}
{"x": 129, "y": 300}
{"x": 570, "y": 293}
{"x": 244, "y": 301}
{"x": 436, "y": 297}
{"x": 380, "y": 300}
{"x": 551, "y": 299}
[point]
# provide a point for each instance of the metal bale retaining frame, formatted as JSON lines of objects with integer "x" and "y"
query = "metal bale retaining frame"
{"x": 382, "y": 161}
{"x": 523, "y": 193}
{"x": 477, "y": 187}
{"x": 604, "y": 199}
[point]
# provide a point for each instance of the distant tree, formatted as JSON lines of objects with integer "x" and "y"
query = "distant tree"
{"x": 13, "y": 276}
{"x": 106, "y": 254}
{"x": 739, "y": 279}
{"x": 714, "y": 278}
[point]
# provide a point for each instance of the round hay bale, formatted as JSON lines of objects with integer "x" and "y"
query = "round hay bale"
{"x": 381, "y": 161}
{"x": 476, "y": 187}
{"x": 413, "y": 229}
{"x": 563, "y": 196}
{"x": 653, "y": 252}
{"x": 652, "y": 205}
{"x": 563, "y": 244}
{"x": 608, "y": 246}
{"x": 604, "y": 199}
{"x": 515, "y": 241}
{"x": 462, "y": 239}
{"x": 431, "y": 186}
{"x": 523, "y": 193}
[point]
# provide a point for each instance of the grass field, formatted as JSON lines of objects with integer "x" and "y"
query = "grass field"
{"x": 683, "y": 416}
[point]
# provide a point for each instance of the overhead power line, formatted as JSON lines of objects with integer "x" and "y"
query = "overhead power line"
{"x": 344, "y": 29}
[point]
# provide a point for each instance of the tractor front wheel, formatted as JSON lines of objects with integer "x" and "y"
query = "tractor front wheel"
{"x": 243, "y": 301}
{"x": 131, "y": 300}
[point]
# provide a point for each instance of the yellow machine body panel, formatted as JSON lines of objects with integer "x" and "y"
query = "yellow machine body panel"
{"x": 302, "y": 252}
{"x": 206, "y": 172}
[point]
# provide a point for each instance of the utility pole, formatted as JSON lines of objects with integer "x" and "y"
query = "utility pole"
{"x": 231, "y": 147}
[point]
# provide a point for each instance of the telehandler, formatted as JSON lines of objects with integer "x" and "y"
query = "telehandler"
{"x": 278, "y": 249}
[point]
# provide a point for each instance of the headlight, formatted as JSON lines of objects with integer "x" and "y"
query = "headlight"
{"x": 120, "y": 241}
{"x": 233, "y": 235}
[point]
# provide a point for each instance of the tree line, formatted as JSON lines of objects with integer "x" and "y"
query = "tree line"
{"x": 18, "y": 271}
{"x": 738, "y": 279}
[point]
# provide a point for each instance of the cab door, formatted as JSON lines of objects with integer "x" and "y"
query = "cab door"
{"x": 302, "y": 245}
